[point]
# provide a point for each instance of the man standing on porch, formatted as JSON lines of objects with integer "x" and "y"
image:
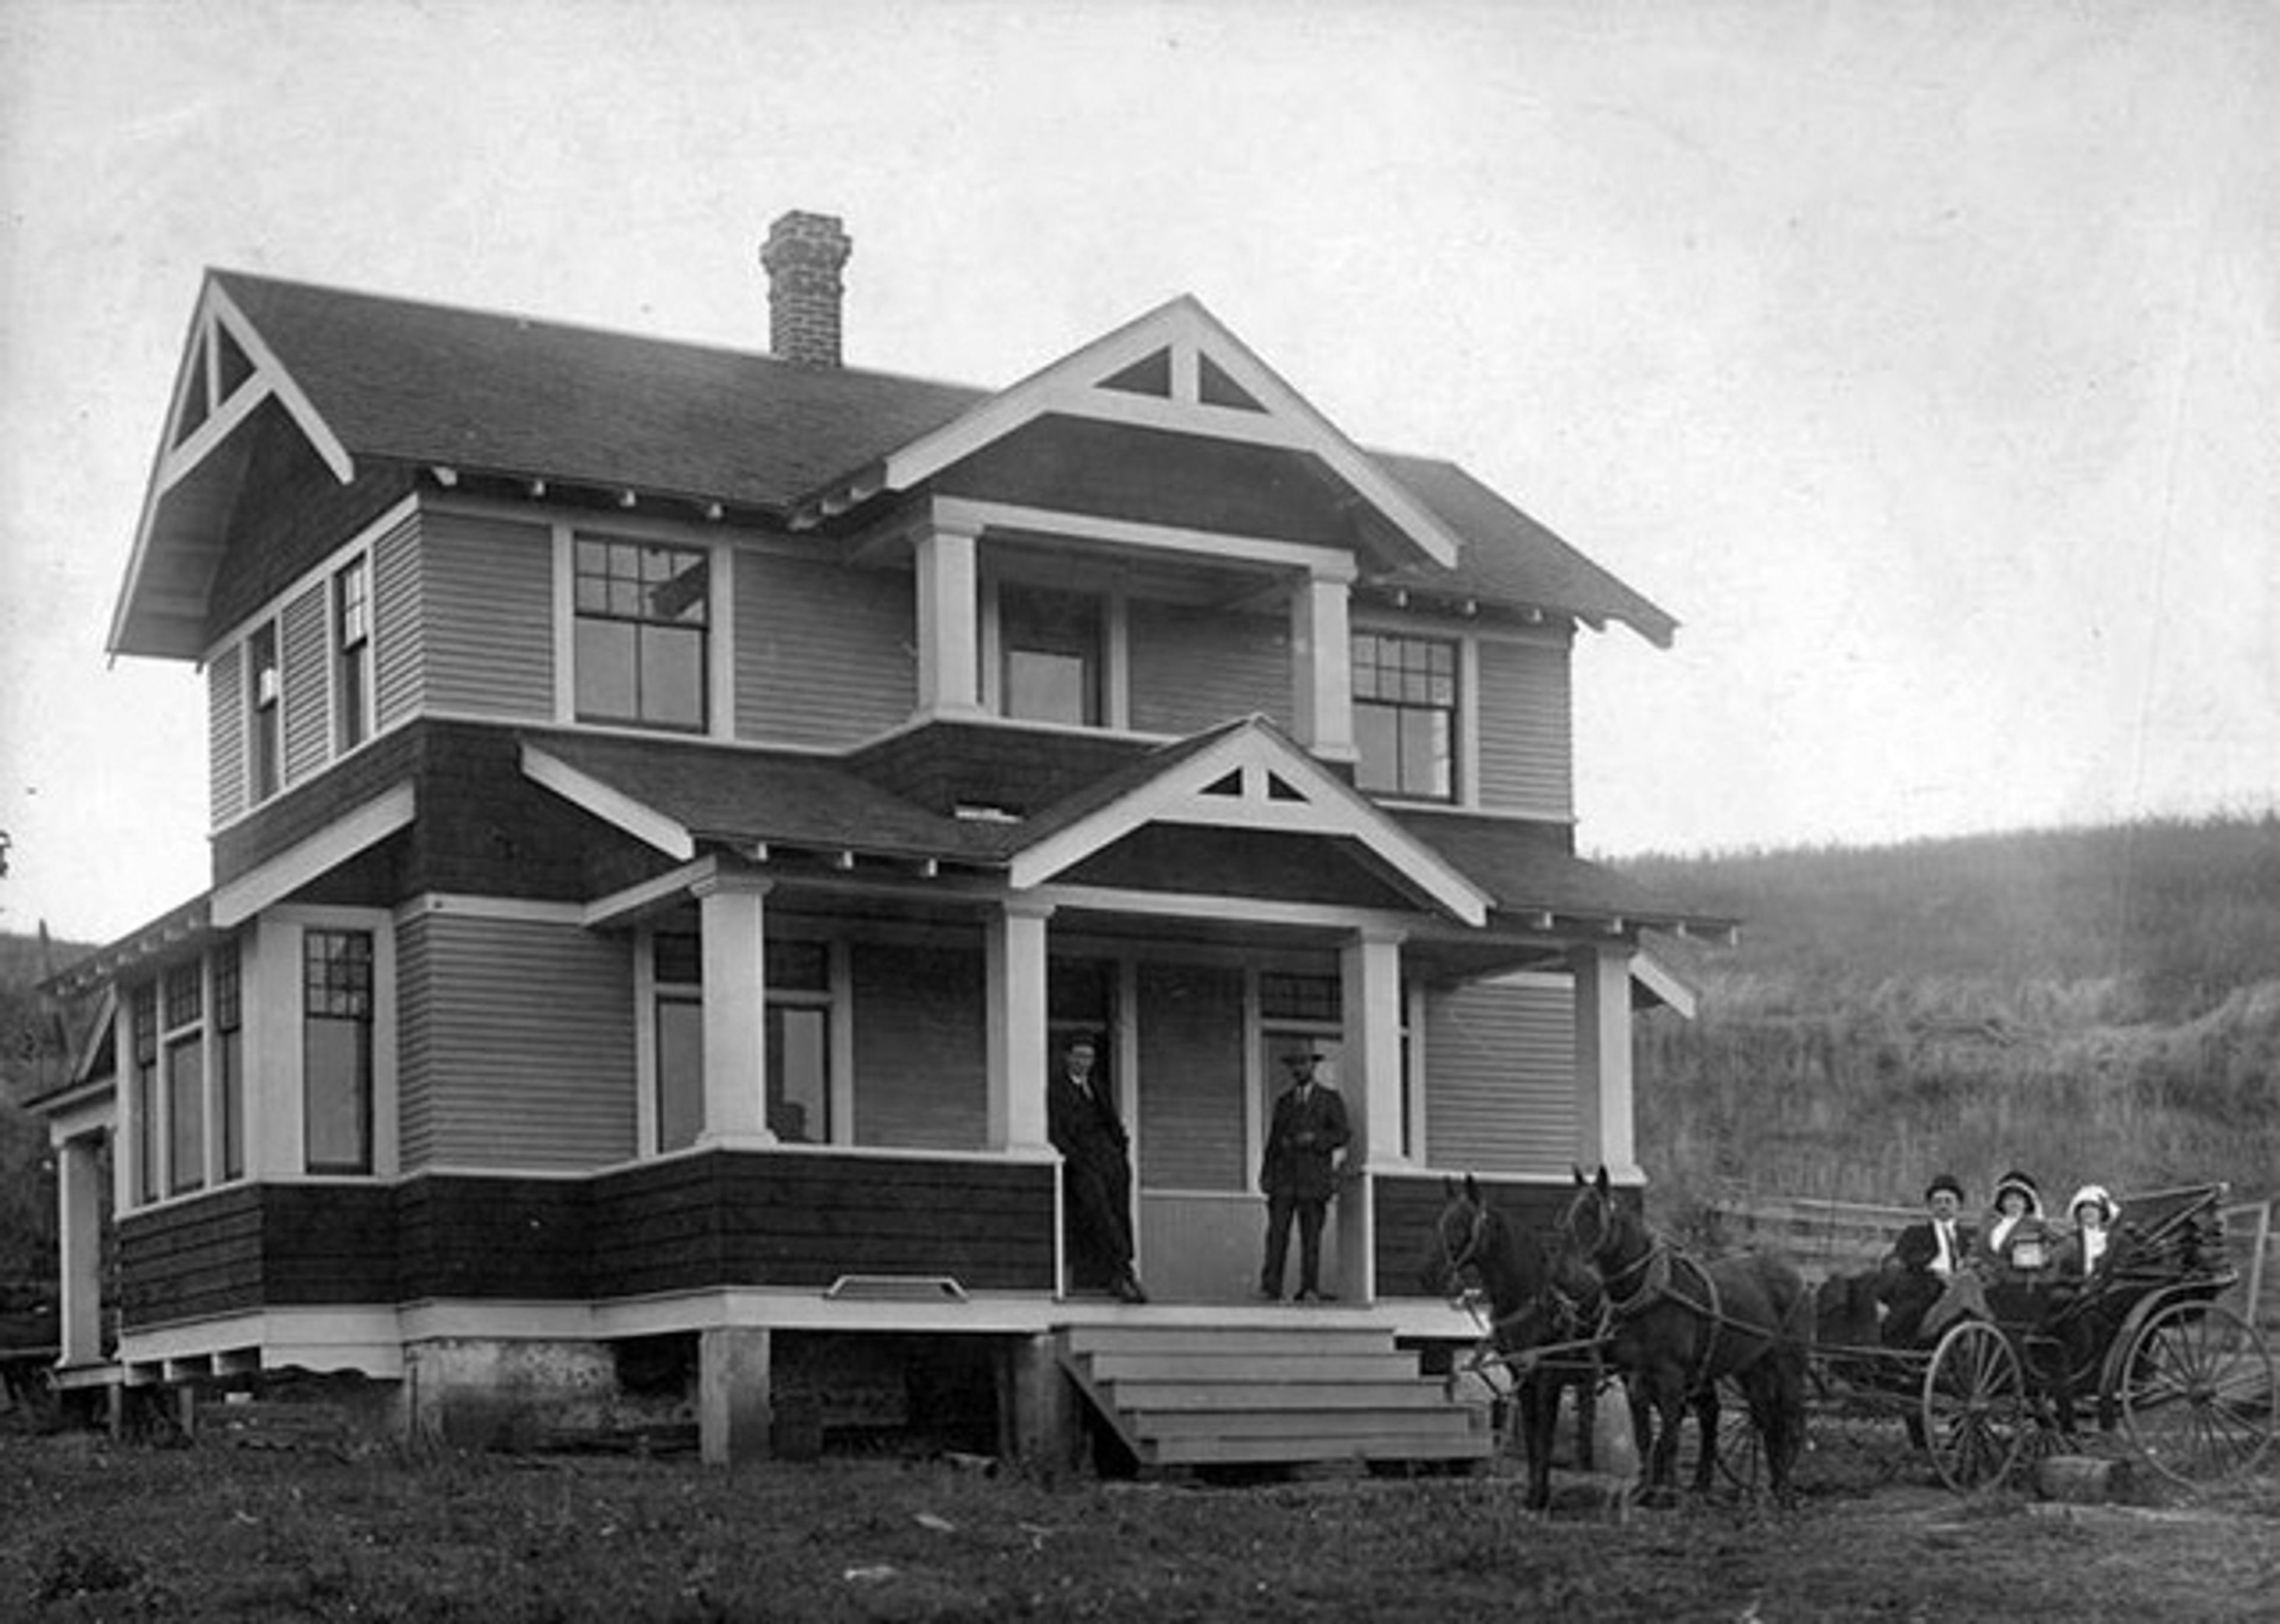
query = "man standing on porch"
{"x": 1299, "y": 1174}
{"x": 1097, "y": 1173}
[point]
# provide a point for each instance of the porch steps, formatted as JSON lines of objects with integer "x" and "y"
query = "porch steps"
{"x": 1269, "y": 1395}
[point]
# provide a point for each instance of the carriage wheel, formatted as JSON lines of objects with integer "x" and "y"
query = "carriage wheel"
{"x": 2198, "y": 1396}
{"x": 1975, "y": 1406}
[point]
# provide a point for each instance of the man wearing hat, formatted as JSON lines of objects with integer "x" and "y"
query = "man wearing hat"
{"x": 1096, "y": 1172}
{"x": 1924, "y": 1259}
{"x": 1299, "y": 1174}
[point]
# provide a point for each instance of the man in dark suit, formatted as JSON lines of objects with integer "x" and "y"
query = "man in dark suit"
{"x": 1926, "y": 1258}
{"x": 1097, "y": 1173}
{"x": 1299, "y": 1174}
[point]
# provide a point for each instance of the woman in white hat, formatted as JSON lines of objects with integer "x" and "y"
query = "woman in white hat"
{"x": 2015, "y": 1240}
{"x": 2094, "y": 1212}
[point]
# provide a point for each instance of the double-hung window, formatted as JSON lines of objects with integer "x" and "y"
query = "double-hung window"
{"x": 336, "y": 1021}
{"x": 229, "y": 1058}
{"x": 265, "y": 694}
{"x": 1405, "y": 715}
{"x": 679, "y": 1009}
{"x": 644, "y": 615}
{"x": 799, "y": 1041}
{"x": 352, "y": 654}
{"x": 1053, "y": 655}
{"x": 186, "y": 1077}
{"x": 143, "y": 1023}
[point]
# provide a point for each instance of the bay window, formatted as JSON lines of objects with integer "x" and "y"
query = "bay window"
{"x": 336, "y": 1075}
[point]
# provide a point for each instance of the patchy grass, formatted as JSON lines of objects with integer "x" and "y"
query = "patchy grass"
{"x": 95, "y": 1531}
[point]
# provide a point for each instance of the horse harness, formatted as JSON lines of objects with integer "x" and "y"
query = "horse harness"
{"x": 1659, "y": 1270}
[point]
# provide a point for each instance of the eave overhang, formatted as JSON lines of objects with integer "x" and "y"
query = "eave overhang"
{"x": 1177, "y": 369}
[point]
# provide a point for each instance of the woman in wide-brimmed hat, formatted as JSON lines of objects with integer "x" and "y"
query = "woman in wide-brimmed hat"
{"x": 2094, "y": 1211}
{"x": 2015, "y": 1239}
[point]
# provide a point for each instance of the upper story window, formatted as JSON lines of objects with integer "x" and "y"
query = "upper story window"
{"x": 1053, "y": 655}
{"x": 264, "y": 696}
{"x": 352, "y": 654}
{"x": 643, "y": 622}
{"x": 1405, "y": 715}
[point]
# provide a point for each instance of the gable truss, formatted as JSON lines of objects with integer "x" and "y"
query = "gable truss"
{"x": 1253, "y": 779}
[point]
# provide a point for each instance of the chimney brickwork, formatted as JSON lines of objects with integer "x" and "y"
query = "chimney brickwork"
{"x": 803, "y": 257}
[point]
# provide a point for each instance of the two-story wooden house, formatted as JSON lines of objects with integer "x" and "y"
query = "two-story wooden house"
{"x": 666, "y": 801}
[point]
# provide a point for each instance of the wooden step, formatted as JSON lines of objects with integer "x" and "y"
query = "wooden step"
{"x": 1254, "y": 1393}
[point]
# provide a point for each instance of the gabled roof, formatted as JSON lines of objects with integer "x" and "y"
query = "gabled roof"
{"x": 369, "y": 379}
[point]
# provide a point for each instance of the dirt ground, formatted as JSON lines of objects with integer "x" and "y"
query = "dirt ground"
{"x": 90, "y": 1529}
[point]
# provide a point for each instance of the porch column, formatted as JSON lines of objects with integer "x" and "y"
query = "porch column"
{"x": 1321, "y": 654}
{"x": 732, "y": 910}
{"x": 1019, "y": 1057}
{"x": 78, "y": 1213}
{"x": 1603, "y": 1060}
{"x": 949, "y": 660}
{"x": 1369, "y": 973}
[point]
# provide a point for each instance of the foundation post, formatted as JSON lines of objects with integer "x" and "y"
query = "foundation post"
{"x": 734, "y": 1408}
{"x": 1041, "y": 1425}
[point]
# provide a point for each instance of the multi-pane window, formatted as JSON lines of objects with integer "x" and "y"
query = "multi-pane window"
{"x": 680, "y": 1010}
{"x": 142, "y": 1021}
{"x": 186, "y": 1077}
{"x": 642, "y": 614}
{"x": 336, "y": 1074}
{"x": 1053, "y": 663}
{"x": 265, "y": 690}
{"x": 229, "y": 1058}
{"x": 352, "y": 654}
{"x": 1404, "y": 705}
{"x": 799, "y": 1041}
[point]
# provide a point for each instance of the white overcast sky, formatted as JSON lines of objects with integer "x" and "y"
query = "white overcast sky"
{"x": 1922, "y": 360}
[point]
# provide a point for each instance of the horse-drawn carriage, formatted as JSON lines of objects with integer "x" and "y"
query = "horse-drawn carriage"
{"x": 2182, "y": 1378}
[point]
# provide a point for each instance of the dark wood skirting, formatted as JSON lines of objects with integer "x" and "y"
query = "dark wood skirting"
{"x": 1407, "y": 1207}
{"x": 799, "y": 1220}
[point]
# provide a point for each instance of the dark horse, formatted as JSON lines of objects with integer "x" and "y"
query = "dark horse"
{"x": 1676, "y": 1325}
{"x": 1533, "y": 1305}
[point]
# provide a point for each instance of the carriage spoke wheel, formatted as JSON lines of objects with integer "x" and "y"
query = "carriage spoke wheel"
{"x": 1975, "y": 1406}
{"x": 2198, "y": 1396}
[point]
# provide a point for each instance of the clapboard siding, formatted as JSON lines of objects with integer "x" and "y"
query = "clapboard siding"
{"x": 489, "y": 598}
{"x": 399, "y": 634}
{"x": 921, "y": 1077}
{"x": 1527, "y": 739}
{"x": 308, "y": 686}
{"x": 225, "y": 732}
{"x": 824, "y": 653}
{"x": 517, "y": 1043}
{"x": 1191, "y": 668}
{"x": 1500, "y": 1089}
{"x": 1191, "y": 1134}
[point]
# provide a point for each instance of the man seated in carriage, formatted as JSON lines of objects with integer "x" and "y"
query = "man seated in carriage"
{"x": 1926, "y": 1280}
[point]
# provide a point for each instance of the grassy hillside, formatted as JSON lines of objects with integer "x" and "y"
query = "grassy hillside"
{"x": 2093, "y": 1003}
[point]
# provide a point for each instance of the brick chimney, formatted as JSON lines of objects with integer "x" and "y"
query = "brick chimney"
{"x": 803, "y": 257}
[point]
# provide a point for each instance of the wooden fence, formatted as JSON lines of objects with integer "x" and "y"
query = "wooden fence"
{"x": 1839, "y": 1237}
